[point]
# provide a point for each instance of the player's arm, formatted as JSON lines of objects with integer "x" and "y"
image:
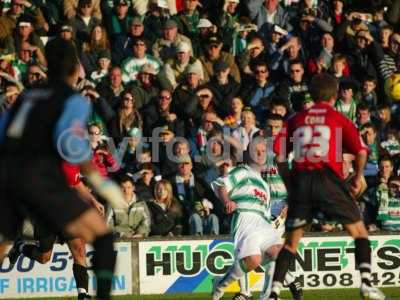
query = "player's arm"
{"x": 85, "y": 194}
{"x": 221, "y": 188}
{"x": 70, "y": 139}
{"x": 282, "y": 149}
{"x": 359, "y": 165}
{"x": 229, "y": 205}
{"x": 354, "y": 143}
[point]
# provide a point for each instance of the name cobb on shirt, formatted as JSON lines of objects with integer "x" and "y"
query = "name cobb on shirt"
{"x": 312, "y": 120}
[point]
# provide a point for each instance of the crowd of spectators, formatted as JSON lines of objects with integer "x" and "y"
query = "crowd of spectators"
{"x": 175, "y": 83}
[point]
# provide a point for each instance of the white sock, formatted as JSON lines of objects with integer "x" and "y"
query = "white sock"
{"x": 269, "y": 268}
{"x": 244, "y": 285}
{"x": 234, "y": 273}
{"x": 82, "y": 291}
{"x": 289, "y": 278}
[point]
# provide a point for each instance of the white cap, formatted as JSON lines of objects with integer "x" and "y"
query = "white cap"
{"x": 183, "y": 47}
{"x": 235, "y": 1}
{"x": 194, "y": 69}
{"x": 280, "y": 30}
{"x": 162, "y": 4}
{"x": 204, "y": 23}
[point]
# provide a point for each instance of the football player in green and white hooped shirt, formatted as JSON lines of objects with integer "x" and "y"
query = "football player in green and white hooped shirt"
{"x": 278, "y": 206}
{"x": 244, "y": 193}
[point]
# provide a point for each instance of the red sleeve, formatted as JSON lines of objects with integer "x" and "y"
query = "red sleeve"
{"x": 282, "y": 145}
{"x": 352, "y": 140}
{"x": 71, "y": 173}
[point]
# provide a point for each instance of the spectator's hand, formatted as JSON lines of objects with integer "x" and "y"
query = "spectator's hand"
{"x": 291, "y": 42}
{"x": 309, "y": 18}
{"x": 26, "y": 3}
{"x": 32, "y": 48}
{"x": 230, "y": 206}
{"x": 92, "y": 94}
{"x": 171, "y": 117}
{"x": 46, "y": 26}
{"x": 11, "y": 94}
{"x": 102, "y": 152}
{"x": 136, "y": 236}
{"x": 206, "y": 211}
{"x": 327, "y": 227}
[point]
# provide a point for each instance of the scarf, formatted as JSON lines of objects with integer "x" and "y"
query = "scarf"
{"x": 180, "y": 185}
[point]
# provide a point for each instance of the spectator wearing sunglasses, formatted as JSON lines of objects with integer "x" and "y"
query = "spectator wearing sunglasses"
{"x": 8, "y": 21}
{"x": 131, "y": 66}
{"x": 71, "y": 9}
{"x": 84, "y": 21}
{"x": 214, "y": 53}
{"x": 159, "y": 113}
{"x": 259, "y": 92}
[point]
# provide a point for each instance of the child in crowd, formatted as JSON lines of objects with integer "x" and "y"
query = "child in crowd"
{"x": 389, "y": 206}
{"x": 103, "y": 67}
{"x": 346, "y": 104}
{"x": 368, "y": 94}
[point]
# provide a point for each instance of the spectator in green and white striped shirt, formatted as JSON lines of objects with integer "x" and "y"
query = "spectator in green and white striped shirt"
{"x": 132, "y": 65}
{"x": 389, "y": 206}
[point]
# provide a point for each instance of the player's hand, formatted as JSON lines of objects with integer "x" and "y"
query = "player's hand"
{"x": 99, "y": 207}
{"x": 107, "y": 189}
{"x": 230, "y": 207}
{"x": 284, "y": 212}
{"x": 355, "y": 186}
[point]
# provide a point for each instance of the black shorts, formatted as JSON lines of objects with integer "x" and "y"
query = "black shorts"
{"x": 46, "y": 238}
{"x": 319, "y": 191}
{"x": 38, "y": 190}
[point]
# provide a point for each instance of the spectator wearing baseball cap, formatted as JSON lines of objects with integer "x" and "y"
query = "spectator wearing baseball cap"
{"x": 241, "y": 35}
{"x": 85, "y": 20}
{"x": 147, "y": 86}
{"x": 119, "y": 20}
{"x": 131, "y": 66}
{"x": 185, "y": 95}
{"x": 155, "y": 19}
{"x": 8, "y": 21}
{"x": 214, "y": 53}
{"x": 223, "y": 86}
{"x": 25, "y": 32}
{"x": 165, "y": 47}
{"x": 123, "y": 44}
{"x": 175, "y": 69}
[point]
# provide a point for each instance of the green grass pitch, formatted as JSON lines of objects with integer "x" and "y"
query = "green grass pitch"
{"x": 344, "y": 294}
